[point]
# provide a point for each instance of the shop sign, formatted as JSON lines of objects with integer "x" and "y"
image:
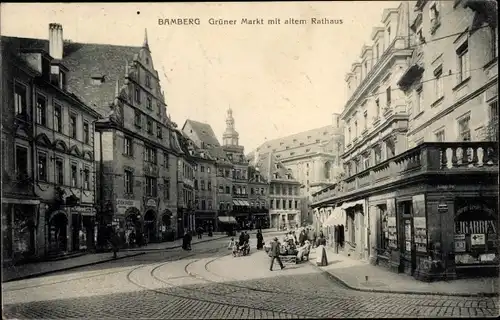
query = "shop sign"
{"x": 477, "y": 239}
{"x": 442, "y": 208}
{"x": 460, "y": 245}
{"x": 85, "y": 211}
{"x": 151, "y": 203}
{"x": 474, "y": 227}
{"x": 123, "y": 204}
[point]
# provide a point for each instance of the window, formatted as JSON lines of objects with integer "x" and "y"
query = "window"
{"x": 377, "y": 52}
{"x": 209, "y": 185}
{"x": 202, "y": 185}
{"x": 150, "y": 103}
{"x": 20, "y": 99}
{"x": 148, "y": 81}
{"x": 438, "y": 83}
{"x": 151, "y": 186}
{"x": 271, "y": 204}
{"x": 62, "y": 80}
{"x": 284, "y": 203}
{"x": 86, "y": 179}
{"x": 165, "y": 160}
{"x": 129, "y": 181}
{"x": 166, "y": 189}
{"x": 127, "y": 146}
{"x": 74, "y": 175}
{"x": 209, "y": 204}
{"x": 439, "y": 136}
{"x": 203, "y": 205}
{"x": 159, "y": 130}
{"x": 150, "y": 126}
{"x": 202, "y": 169}
{"x": 208, "y": 170}
{"x": 494, "y": 42}
{"x": 377, "y": 108}
{"x": 463, "y": 63}
{"x": 419, "y": 103}
{"x": 137, "y": 95}
{"x": 464, "y": 128}
{"x": 150, "y": 154}
{"x": 196, "y": 184}
{"x": 262, "y": 191}
{"x": 355, "y": 129}
{"x": 289, "y": 204}
{"x": 72, "y": 126}
{"x": 434, "y": 15}
{"x": 365, "y": 121}
{"x": 42, "y": 167}
{"x": 290, "y": 190}
{"x": 41, "y": 110}
{"x": 57, "y": 118}
{"x": 86, "y": 133}
{"x": 21, "y": 160}
{"x": 388, "y": 96}
{"x": 366, "y": 162}
{"x": 493, "y": 125}
{"x": 138, "y": 119}
{"x": 384, "y": 228}
{"x": 296, "y": 204}
{"x": 278, "y": 202}
{"x": 59, "y": 166}
{"x": 228, "y": 190}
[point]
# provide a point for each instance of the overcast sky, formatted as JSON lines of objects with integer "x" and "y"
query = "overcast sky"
{"x": 278, "y": 79}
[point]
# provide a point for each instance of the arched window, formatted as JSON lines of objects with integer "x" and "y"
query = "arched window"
{"x": 328, "y": 169}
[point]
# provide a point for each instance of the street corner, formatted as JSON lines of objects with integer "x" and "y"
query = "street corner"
{"x": 256, "y": 265}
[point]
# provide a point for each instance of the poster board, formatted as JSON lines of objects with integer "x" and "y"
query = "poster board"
{"x": 420, "y": 231}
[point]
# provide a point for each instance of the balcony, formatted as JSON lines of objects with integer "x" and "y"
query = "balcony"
{"x": 440, "y": 158}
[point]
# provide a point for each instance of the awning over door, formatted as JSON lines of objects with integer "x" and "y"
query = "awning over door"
{"x": 245, "y": 203}
{"x": 227, "y": 219}
{"x": 337, "y": 217}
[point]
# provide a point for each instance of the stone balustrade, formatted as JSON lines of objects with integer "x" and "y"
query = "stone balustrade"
{"x": 429, "y": 157}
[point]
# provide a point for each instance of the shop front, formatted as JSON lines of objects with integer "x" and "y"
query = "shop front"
{"x": 206, "y": 220}
{"x": 83, "y": 227}
{"x": 167, "y": 226}
{"x": 128, "y": 221}
{"x": 58, "y": 236}
{"x": 18, "y": 228}
{"x": 475, "y": 236}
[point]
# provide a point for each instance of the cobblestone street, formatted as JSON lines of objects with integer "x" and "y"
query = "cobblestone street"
{"x": 210, "y": 283}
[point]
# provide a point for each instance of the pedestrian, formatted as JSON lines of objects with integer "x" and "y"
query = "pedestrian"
{"x": 186, "y": 241}
{"x": 114, "y": 243}
{"x": 241, "y": 239}
{"x": 210, "y": 232}
{"x": 260, "y": 240}
{"x": 274, "y": 253}
{"x": 321, "y": 259}
{"x": 200, "y": 232}
{"x": 302, "y": 237}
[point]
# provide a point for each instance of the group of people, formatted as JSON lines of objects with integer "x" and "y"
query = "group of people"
{"x": 243, "y": 244}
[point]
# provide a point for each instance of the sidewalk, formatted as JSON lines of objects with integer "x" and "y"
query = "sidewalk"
{"x": 352, "y": 273}
{"x": 32, "y": 270}
{"x": 175, "y": 244}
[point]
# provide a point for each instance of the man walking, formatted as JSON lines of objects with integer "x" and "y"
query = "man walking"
{"x": 274, "y": 252}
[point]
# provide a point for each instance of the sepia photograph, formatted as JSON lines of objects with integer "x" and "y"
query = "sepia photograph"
{"x": 250, "y": 160}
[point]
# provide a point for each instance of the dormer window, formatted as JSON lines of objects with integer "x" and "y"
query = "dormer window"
{"x": 62, "y": 80}
{"x": 276, "y": 176}
{"x": 98, "y": 80}
{"x": 148, "y": 81}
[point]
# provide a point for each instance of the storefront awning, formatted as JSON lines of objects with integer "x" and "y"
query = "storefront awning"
{"x": 20, "y": 201}
{"x": 348, "y": 205}
{"x": 236, "y": 202}
{"x": 227, "y": 219}
{"x": 245, "y": 203}
{"x": 336, "y": 218}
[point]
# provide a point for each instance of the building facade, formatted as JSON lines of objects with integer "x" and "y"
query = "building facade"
{"x": 205, "y": 185}
{"x": 49, "y": 190}
{"x": 258, "y": 197}
{"x": 313, "y": 157}
{"x": 414, "y": 208}
{"x": 137, "y": 147}
{"x": 285, "y": 199}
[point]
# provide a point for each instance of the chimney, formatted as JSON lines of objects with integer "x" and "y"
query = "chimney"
{"x": 56, "y": 41}
{"x": 336, "y": 120}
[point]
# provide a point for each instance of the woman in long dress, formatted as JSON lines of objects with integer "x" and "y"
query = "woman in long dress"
{"x": 321, "y": 259}
{"x": 260, "y": 240}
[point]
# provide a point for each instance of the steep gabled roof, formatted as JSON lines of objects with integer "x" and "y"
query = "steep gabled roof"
{"x": 86, "y": 60}
{"x": 204, "y": 132}
{"x": 272, "y": 169}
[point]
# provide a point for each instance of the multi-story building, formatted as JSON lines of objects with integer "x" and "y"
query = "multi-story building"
{"x": 258, "y": 197}
{"x": 49, "y": 183}
{"x": 285, "y": 200}
{"x": 313, "y": 156}
{"x": 186, "y": 221}
{"x": 205, "y": 185}
{"x": 135, "y": 140}
{"x": 418, "y": 196}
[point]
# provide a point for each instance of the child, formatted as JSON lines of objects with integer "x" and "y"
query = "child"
{"x": 231, "y": 244}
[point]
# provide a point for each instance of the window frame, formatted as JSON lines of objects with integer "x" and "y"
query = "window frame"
{"x": 40, "y": 155}
{"x": 76, "y": 180}
{"x": 58, "y": 125}
{"x": 128, "y": 181}
{"x": 460, "y": 120}
{"x": 21, "y": 103}
{"x": 59, "y": 177}
{"x": 463, "y": 60}
{"x": 41, "y": 110}
{"x": 73, "y": 128}
{"x": 86, "y": 133}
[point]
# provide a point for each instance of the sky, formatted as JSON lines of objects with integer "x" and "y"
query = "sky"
{"x": 278, "y": 79}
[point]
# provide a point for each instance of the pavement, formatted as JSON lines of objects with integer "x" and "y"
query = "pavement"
{"x": 352, "y": 273}
{"x": 31, "y": 270}
{"x": 209, "y": 283}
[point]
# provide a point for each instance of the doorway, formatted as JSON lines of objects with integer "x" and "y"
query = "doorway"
{"x": 150, "y": 226}
{"x": 58, "y": 234}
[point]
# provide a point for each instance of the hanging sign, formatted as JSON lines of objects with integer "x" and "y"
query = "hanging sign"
{"x": 477, "y": 239}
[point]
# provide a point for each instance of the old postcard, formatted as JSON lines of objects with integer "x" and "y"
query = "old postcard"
{"x": 249, "y": 160}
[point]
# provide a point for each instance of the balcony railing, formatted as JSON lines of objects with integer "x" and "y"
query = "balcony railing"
{"x": 434, "y": 157}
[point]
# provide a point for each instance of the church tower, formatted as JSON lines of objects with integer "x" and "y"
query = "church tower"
{"x": 230, "y": 136}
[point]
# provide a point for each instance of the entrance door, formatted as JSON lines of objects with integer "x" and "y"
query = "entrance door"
{"x": 58, "y": 237}
{"x": 409, "y": 247}
{"x": 150, "y": 226}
